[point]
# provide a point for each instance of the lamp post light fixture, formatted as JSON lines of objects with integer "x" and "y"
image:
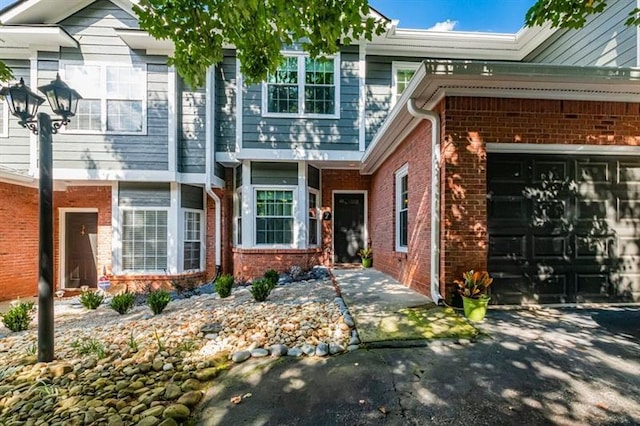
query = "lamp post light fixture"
{"x": 23, "y": 103}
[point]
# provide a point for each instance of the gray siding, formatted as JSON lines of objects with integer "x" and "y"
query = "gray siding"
{"x": 144, "y": 194}
{"x": 94, "y": 27}
{"x": 263, "y": 173}
{"x": 378, "y": 82}
{"x": 604, "y": 41}
{"x": 192, "y": 142}
{"x": 225, "y": 107}
{"x": 14, "y": 149}
{"x": 324, "y": 134}
{"x": 191, "y": 197}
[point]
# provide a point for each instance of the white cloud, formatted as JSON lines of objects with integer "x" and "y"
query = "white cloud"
{"x": 447, "y": 25}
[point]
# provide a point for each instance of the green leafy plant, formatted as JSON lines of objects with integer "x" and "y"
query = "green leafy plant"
{"x": 122, "y": 303}
{"x": 224, "y": 284}
{"x": 88, "y": 347}
{"x": 44, "y": 388}
{"x": 158, "y": 300}
{"x": 159, "y": 341}
{"x": 31, "y": 350}
{"x": 366, "y": 253}
{"x": 91, "y": 299}
{"x": 7, "y": 371}
{"x": 273, "y": 277}
{"x": 260, "y": 289}
{"x": 132, "y": 342}
{"x": 19, "y": 316}
{"x": 474, "y": 285}
{"x": 187, "y": 346}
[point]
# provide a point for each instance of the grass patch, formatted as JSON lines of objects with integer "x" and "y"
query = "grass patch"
{"x": 425, "y": 322}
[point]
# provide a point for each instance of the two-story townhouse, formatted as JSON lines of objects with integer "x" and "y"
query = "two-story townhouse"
{"x": 514, "y": 153}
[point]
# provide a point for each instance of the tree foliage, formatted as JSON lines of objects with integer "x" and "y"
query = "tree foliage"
{"x": 570, "y": 13}
{"x": 258, "y": 29}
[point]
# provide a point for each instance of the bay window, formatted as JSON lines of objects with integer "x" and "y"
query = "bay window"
{"x": 274, "y": 216}
{"x": 144, "y": 240}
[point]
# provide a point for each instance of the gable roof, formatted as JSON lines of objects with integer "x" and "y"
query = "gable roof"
{"x": 49, "y": 11}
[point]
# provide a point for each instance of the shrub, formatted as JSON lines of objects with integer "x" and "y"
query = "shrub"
{"x": 224, "y": 283}
{"x": 260, "y": 289}
{"x": 89, "y": 346}
{"x": 123, "y": 302}
{"x": 91, "y": 299}
{"x": 158, "y": 300}
{"x": 18, "y": 317}
{"x": 273, "y": 277}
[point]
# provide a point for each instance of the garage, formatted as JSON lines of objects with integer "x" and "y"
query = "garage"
{"x": 563, "y": 228}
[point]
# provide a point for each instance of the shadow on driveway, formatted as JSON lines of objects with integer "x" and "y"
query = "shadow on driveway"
{"x": 534, "y": 368}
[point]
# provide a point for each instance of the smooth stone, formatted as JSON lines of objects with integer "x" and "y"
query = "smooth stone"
{"x": 191, "y": 385}
{"x": 240, "y": 356}
{"x": 138, "y": 409}
{"x": 153, "y": 411}
{"x": 115, "y": 420}
{"x": 335, "y": 348}
{"x": 60, "y": 370}
{"x": 308, "y": 349}
{"x": 352, "y": 348}
{"x": 211, "y": 328}
{"x": 278, "y": 350}
{"x": 295, "y": 352}
{"x": 259, "y": 353}
{"x": 211, "y": 336}
{"x": 207, "y": 374}
{"x": 167, "y": 422}
{"x": 172, "y": 392}
{"x": 348, "y": 320}
{"x": 157, "y": 365}
{"x": 322, "y": 349}
{"x": 190, "y": 399}
{"x": 149, "y": 421}
{"x": 167, "y": 367}
{"x": 144, "y": 367}
{"x": 354, "y": 341}
{"x": 177, "y": 411}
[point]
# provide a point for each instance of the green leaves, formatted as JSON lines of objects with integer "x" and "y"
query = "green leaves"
{"x": 563, "y": 13}
{"x": 258, "y": 29}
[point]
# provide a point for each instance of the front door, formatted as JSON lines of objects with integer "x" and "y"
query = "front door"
{"x": 81, "y": 237}
{"x": 348, "y": 227}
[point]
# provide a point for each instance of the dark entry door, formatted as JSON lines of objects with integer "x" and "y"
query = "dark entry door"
{"x": 81, "y": 237}
{"x": 348, "y": 227}
{"x": 563, "y": 229}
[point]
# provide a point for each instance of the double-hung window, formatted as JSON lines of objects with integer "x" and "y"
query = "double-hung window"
{"x": 192, "y": 240}
{"x": 144, "y": 240}
{"x": 402, "y": 208}
{"x": 303, "y": 87}
{"x": 274, "y": 217}
{"x": 402, "y": 74}
{"x": 113, "y": 98}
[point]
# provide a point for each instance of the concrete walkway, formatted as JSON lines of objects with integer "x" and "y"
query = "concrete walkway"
{"x": 388, "y": 313}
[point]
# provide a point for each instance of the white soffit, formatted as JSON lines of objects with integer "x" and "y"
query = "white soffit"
{"x": 139, "y": 39}
{"x": 52, "y": 11}
{"x": 47, "y": 38}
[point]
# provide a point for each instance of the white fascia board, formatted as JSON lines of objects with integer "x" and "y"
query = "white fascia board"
{"x": 17, "y": 178}
{"x": 49, "y": 11}
{"x": 44, "y": 38}
{"x": 288, "y": 155}
{"x": 139, "y": 39}
{"x": 562, "y": 149}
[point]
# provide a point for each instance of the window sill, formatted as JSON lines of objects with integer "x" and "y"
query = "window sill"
{"x": 301, "y": 116}
{"x": 100, "y": 132}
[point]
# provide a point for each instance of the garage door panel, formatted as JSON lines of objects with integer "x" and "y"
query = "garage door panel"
{"x": 581, "y": 228}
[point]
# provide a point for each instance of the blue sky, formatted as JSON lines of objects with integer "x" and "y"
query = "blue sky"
{"x": 461, "y": 15}
{"x": 502, "y": 16}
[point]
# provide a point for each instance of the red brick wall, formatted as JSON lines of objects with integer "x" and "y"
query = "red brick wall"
{"x": 334, "y": 180}
{"x": 18, "y": 241}
{"x": 470, "y": 123}
{"x": 411, "y": 268}
{"x": 253, "y": 263}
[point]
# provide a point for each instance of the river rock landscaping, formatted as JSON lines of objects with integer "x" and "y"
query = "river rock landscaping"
{"x": 143, "y": 369}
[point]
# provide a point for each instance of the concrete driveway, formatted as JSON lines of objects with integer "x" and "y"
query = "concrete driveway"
{"x": 566, "y": 367}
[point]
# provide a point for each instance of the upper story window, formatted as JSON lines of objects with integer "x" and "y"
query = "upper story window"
{"x": 303, "y": 87}
{"x": 114, "y": 98}
{"x": 402, "y": 74}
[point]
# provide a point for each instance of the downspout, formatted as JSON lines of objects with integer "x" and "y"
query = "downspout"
{"x": 434, "y": 118}
{"x": 209, "y": 165}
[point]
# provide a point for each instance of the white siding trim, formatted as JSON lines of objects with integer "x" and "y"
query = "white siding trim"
{"x": 33, "y": 139}
{"x": 362, "y": 100}
{"x": 247, "y": 206}
{"x": 300, "y": 211}
{"x": 62, "y": 262}
{"x": 116, "y": 232}
{"x": 173, "y": 231}
{"x": 172, "y": 125}
{"x": 289, "y": 155}
{"x": 239, "y": 111}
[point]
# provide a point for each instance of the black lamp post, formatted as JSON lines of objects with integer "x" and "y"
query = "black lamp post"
{"x": 23, "y": 103}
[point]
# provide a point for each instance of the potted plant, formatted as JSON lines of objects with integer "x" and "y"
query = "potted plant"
{"x": 473, "y": 289}
{"x": 366, "y": 256}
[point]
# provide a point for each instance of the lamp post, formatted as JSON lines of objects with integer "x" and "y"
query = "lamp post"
{"x": 23, "y": 103}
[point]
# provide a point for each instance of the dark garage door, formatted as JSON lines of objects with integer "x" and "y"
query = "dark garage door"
{"x": 563, "y": 229}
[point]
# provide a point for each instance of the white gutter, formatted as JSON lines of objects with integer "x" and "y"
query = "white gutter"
{"x": 209, "y": 163}
{"x": 434, "y": 118}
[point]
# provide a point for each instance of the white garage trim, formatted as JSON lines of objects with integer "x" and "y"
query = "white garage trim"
{"x": 561, "y": 149}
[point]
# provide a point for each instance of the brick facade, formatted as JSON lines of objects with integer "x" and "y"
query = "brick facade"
{"x": 413, "y": 267}
{"x": 470, "y": 123}
{"x": 18, "y": 241}
{"x": 253, "y": 263}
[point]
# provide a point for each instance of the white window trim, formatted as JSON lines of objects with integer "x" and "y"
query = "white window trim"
{"x": 103, "y": 97}
{"x": 121, "y": 210}
{"x": 318, "y": 219}
{"x": 399, "y": 174}
{"x": 399, "y": 66}
{"x": 237, "y": 214}
{"x": 301, "y": 85}
{"x": 202, "y": 239}
{"x": 294, "y": 216}
{"x": 5, "y": 119}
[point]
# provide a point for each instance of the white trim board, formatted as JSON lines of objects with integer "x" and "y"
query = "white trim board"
{"x": 562, "y": 149}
